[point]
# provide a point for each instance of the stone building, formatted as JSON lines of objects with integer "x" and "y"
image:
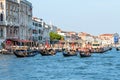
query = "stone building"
{"x": 15, "y": 20}
{"x": 37, "y": 30}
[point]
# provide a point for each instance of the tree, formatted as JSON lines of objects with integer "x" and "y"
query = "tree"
{"x": 55, "y": 36}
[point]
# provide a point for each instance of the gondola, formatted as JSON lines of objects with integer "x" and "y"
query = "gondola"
{"x": 100, "y": 50}
{"x": 110, "y": 48}
{"x": 118, "y": 48}
{"x": 85, "y": 55}
{"x": 24, "y": 53}
{"x": 69, "y": 53}
{"x": 45, "y": 52}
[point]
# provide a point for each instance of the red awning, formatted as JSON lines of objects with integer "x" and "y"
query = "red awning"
{"x": 18, "y": 40}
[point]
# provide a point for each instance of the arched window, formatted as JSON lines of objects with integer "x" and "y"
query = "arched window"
{"x": 1, "y": 17}
{"x": 1, "y": 5}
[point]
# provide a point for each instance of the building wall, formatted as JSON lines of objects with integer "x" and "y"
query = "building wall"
{"x": 25, "y": 19}
{"x": 16, "y": 20}
{"x": 9, "y": 19}
{"x": 12, "y": 19}
{"x": 37, "y": 30}
{"x": 46, "y": 32}
{"x": 53, "y": 28}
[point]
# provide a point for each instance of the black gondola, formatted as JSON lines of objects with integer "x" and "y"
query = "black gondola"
{"x": 69, "y": 53}
{"x": 45, "y": 52}
{"x": 24, "y": 53}
{"x": 118, "y": 48}
{"x": 84, "y": 54}
{"x": 100, "y": 50}
{"x": 110, "y": 48}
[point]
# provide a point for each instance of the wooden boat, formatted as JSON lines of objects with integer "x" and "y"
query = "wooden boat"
{"x": 85, "y": 54}
{"x": 6, "y": 52}
{"x": 118, "y": 48}
{"x": 45, "y": 52}
{"x": 101, "y": 50}
{"x": 24, "y": 53}
{"x": 110, "y": 48}
{"x": 69, "y": 53}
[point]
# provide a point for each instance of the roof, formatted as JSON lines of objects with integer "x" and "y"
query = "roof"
{"x": 106, "y": 35}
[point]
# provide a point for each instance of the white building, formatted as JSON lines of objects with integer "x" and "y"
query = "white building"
{"x": 86, "y": 37}
{"x": 46, "y": 31}
{"x": 9, "y": 19}
{"x": 53, "y": 28}
{"x": 106, "y": 39}
{"x": 37, "y": 30}
{"x": 15, "y": 19}
{"x": 25, "y": 20}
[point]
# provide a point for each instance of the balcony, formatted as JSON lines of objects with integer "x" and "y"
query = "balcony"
{"x": 12, "y": 24}
{"x": 3, "y": 23}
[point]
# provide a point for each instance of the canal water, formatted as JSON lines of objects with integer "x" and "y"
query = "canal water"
{"x": 97, "y": 67}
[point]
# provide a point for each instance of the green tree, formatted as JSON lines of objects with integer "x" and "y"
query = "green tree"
{"x": 55, "y": 36}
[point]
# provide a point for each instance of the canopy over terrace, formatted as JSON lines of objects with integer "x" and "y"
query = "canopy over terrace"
{"x": 19, "y": 42}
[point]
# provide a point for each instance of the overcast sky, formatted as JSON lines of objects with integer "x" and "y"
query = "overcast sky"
{"x": 91, "y": 16}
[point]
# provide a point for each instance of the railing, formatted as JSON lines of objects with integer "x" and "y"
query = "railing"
{"x": 2, "y": 23}
{"x": 9, "y": 23}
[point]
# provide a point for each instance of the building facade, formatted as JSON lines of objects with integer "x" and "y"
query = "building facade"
{"x": 87, "y": 38}
{"x": 106, "y": 39}
{"x": 2, "y": 20}
{"x": 37, "y": 30}
{"x": 15, "y": 19}
{"x": 25, "y": 20}
{"x": 46, "y": 31}
{"x": 9, "y": 19}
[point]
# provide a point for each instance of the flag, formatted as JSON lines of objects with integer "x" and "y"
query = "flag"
{"x": 46, "y": 44}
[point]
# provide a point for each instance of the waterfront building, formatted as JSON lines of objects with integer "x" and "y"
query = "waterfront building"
{"x": 87, "y": 38}
{"x": 106, "y": 39}
{"x": 15, "y": 20}
{"x": 68, "y": 36}
{"x": 64, "y": 34}
{"x": 97, "y": 39}
{"x": 25, "y": 14}
{"x": 116, "y": 38}
{"x": 37, "y": 30}
{"x": 9, "y": 20}
{"x": 53, "y": 28}
{"x": 46, "y": 31}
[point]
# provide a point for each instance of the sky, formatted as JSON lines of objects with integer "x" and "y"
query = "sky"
{"x": 91, "y": 16}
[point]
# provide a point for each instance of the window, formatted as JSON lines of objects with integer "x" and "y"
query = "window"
{"x": 1, "y": 32}
{"x": 36, "y": 24}
{"x": 95, "y": 44}
{"x": 40, "y": 25}
{"x": 40, "y": 37}
{"x": 1, "y": 17}
{"x": 1, "y": 5}
{"x": 33, "y": 24}
{"x": 39, "y": 31}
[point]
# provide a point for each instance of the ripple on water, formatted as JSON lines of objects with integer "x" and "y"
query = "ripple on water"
{"x": 98, "y": 67}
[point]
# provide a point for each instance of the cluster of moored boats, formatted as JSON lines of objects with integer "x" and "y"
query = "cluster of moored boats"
{"x": 83, "y": 52}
